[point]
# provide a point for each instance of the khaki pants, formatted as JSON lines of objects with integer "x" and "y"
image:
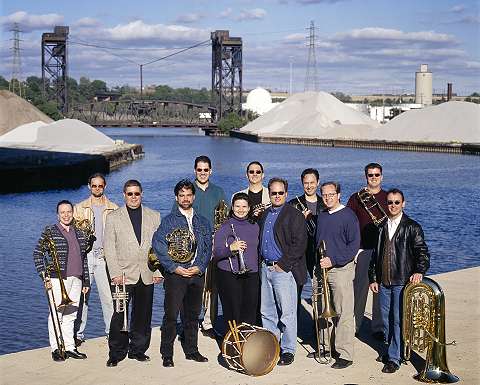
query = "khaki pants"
{"x": 340, "y": 282}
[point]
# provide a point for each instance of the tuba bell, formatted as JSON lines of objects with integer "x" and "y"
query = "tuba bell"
{"x": 424, "y": 329}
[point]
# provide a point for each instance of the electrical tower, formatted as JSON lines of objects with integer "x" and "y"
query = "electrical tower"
{"x": 54, "y": 66}
{"x": 226, "y": 73}
{"x": 311, "y": 78}
{"x": 15, "y": 84}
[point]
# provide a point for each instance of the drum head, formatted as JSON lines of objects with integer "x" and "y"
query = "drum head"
{"x": 260, "y": 353}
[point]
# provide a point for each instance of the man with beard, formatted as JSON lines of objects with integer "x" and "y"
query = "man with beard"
{"x": 184, "y": 269}
{"x": 95, "y": 209}
{"x": 128, "y": 238}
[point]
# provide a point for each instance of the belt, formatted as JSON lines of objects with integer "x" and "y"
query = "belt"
{"x": 270, "y": 263}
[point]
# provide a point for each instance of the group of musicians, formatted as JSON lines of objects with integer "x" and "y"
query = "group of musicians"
{"x": 256, "y": 260}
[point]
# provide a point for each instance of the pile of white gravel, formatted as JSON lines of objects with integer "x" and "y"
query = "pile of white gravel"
{"x": 447, "y": 122}
{"x": 66, "y": 135}
{"x": 313, "y": 115}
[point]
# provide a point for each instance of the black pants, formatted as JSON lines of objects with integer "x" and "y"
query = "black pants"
{"x": 187, "y": 292}
{"x": 239, "y": 296}
{"x": 137, "y": 339}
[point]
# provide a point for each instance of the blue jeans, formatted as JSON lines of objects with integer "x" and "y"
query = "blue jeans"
{"x": 279, "y": 306}
{"x": 391, "y": 298}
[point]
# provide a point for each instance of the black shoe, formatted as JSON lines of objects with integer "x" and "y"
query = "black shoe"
{"x": 112, "y": 362}
{"x": 196, "y": 357}
{"x": 56, "y": 356}
{"x": 139, "y": 357}
{"x": 78, "y": 341}
{"x": 285, "y": 359}
{"x": 210, "y": 333}
{"x": 390, "y": 367}
{"x": 168, "y": 362}
{"x": 379, "y": 336}
{"x": 341, "y": 363}
{"x": 383, "y": 359}
{"x": 76, "y": 354}
{"x": 335, "y": 355}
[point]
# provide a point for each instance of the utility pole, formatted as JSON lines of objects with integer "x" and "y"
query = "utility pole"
{"x": 15, "y": 84}
{"x": 141, "y": 81}
{"x": 291, "y": 76}
{"x": 311, "y": 78}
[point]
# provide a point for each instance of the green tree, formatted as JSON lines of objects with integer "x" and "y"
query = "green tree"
{"x": 231, "y": 122}
{"x": 3, "y": 83}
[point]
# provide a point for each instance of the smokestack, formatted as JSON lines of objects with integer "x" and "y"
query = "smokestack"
{"x": 449, "y": 92}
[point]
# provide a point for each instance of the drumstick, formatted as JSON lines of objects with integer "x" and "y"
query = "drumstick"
{"x": 236, "y": 332}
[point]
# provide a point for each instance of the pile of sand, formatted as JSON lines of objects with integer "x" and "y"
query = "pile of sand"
{"x": 15, "y": 111}
{"x": 66, "y": 135}
{"x": 313, "y": 114}
{"x": 447, "y": 122}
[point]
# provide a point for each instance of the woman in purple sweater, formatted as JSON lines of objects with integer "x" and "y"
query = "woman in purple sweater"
{"x": 238, "y": 290}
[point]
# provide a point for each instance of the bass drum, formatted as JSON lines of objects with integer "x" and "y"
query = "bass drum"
{"x": 255, "y": 353}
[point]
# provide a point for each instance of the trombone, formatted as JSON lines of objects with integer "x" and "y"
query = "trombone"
{"x": 120, "y": 297}
{"x": 320, "y": 287}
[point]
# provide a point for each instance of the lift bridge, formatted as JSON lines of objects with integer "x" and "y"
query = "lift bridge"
{"x": 226, "y": 90}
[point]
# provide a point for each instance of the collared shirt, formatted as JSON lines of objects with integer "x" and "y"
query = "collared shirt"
{"x": 189, "y": 216}
{"x": 270, "y": 250}
{"x": 392, "y": 225}
{"x": 340, "y": 206}
{"x": 74, "y": 259}
{"x": 206, "y": 200}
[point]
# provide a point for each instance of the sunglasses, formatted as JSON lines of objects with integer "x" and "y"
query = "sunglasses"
{"x": 203, "y": 169}
{"x": 97, "y": 186}
{"x": 136, "y": 193}
{"x": 273, "y": 193}
{"x": 374, "y": 175}
{"x": 396, "y": 203}
{"x": 258, "y": 172}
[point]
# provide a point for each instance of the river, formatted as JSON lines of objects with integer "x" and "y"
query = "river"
{"x": 441, "y": 193}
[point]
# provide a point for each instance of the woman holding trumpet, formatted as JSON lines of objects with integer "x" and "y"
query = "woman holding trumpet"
{"x": 235, "y": 253}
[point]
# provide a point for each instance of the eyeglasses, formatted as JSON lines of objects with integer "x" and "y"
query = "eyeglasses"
{"x": 273, "y": 193}
{"x": 203, "y": 169}
{"x": 329, "y": 195}
{"x": 97, "y": 186}
{"x": 258, "y": 172}
{"x": 396, "y": 203}
{"x": 374, "y": 175}
{"x": 136, "y": 193}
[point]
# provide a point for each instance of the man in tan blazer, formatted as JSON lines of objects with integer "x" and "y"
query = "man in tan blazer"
{"x": 128, "y": 238}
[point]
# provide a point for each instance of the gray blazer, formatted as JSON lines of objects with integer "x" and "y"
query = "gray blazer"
{"x": 122, "y": 251}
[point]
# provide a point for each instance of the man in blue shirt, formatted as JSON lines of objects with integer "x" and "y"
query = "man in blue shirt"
{"x": 282, "y": 244}
{"x": 338, "y": 227}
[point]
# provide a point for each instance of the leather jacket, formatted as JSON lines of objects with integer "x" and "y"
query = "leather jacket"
{"x": 409, "y": 254}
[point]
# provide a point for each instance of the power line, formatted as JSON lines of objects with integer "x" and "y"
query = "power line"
{"x": 178, "y": 52}
{"x": 15, "y": 82}
{"x": 311, "y": 77}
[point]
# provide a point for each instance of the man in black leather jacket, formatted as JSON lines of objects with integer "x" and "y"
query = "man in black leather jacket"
{"x": 401, "y": 256}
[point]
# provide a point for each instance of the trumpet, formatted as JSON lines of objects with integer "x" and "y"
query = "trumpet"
{"x": 242, "y": 269}
{"x": 120, "y": 297}
{"x": 320, "y": 286}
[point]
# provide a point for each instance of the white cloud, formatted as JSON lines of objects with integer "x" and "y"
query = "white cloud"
{"x": 189, "y": 18}
{"x": 87, "y": 22}
{"x": 29, "y": 22}
{"x": 226, "y": 13}
{"x": 375, "y": 33}
{"x": 251, "y": 14}
{"x": 457, "y": 8}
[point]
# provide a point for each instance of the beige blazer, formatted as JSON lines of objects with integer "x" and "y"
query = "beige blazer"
{"x": 122, "y": 251}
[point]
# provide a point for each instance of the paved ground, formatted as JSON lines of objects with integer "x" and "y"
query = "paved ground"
{"x": 462, "y": 324}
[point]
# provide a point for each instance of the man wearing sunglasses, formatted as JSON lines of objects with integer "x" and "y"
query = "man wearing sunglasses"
{"x": 369, "y": 238}
{"x": 257, "y": 193}
{"x": 283, "y": 241}
{"x": 207, "y": 197}
{"x": 95, "y": 209}
{"x": 401, "y": 256}
{"x": 128, "y": 238}
{"x": 338, "y": 227}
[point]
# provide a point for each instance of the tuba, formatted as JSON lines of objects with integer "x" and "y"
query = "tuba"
{"x": 423, "y": 329}
{"x": 220, "y": 214}
{"x": 320, "y": 287}
{"x": 369, "y": 203}
{"x": 181, "y": 245}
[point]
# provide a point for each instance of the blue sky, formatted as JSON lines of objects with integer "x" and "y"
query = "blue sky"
{"x": 363, "y": 46}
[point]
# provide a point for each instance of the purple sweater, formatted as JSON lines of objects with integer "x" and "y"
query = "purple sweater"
{"x": 246, "y": 231}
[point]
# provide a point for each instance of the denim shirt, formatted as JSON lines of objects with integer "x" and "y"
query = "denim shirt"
{"x": 203, "y": 235}
{"x": 270, "y": 250}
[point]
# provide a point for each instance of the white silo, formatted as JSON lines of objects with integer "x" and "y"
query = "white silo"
{"x": 423, "y": 86}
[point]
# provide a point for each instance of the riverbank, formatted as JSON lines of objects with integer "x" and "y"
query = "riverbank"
{"x": 462, "y": 324}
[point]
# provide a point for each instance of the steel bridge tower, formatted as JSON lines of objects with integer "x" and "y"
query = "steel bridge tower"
{"x": 55, "y": 67}
{"x": 226, "y": 73}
